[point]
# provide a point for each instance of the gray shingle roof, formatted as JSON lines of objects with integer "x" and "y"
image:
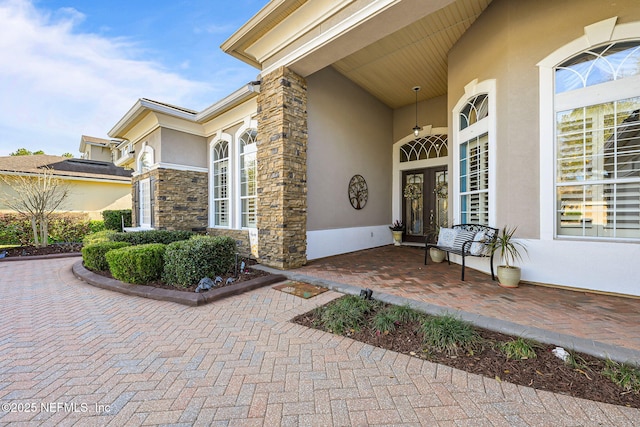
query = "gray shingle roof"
{"x": 63, "y": 166}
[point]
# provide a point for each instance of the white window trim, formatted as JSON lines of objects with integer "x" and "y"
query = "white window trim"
{"x": 229, "y": 139}
{"x": 148, "y": 150}
{"x": 141, "y": 203}
{"x": 248, "y": 124}
{"x": 487, "y": 125}
{"x": 594, "y": 34}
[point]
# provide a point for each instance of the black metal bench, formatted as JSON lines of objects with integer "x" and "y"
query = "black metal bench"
{"x": 464, "y": 249}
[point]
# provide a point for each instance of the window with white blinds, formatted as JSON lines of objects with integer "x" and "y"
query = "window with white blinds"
{"x": 248, "y": 179}
{"x": 474, "y": 180}
{"x": 145, "y": 203}
{"x": 220, "y": 185}
{"x": 474, "y": 161}
{"x": 598, "y": 144}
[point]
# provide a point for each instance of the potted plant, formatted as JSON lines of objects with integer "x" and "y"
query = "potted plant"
{"x": 397, "y": 228}
{"x": 509, "y": 251}
{"x": 436, "y": 254}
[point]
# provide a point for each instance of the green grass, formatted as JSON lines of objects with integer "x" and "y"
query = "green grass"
{"x": 448, "y": 333}
{"x": 519, "y": 349}
{"x": 624, "y": 375}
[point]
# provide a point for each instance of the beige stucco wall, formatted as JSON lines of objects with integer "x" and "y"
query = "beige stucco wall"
{"x": 506, "y": 43}
{"x": 91, "y": 197}
{"x": 183, "y": 148}
{"x": 431, "y": 112}
{"x": 350, "y": 132}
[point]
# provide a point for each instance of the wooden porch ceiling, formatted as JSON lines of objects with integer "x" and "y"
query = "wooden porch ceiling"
{"x": 413, "y": 56}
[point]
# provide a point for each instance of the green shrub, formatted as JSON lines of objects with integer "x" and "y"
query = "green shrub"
{"x": 137, "y": 264}
{"x": 98, "y": 237}
{"x": 93, "y": 255}
{"x": 113, "y": 219}
{"x": 68, "y": 227}
{"x": 448, "y": 333}
{"x": 96, "y": 225}
{"x": 63, "y": 227}
{"x": 188, "y": 261}
{"x": 15, "y": 230}
{"x": 152, "y": 236}
{"x": 347, "y": 313}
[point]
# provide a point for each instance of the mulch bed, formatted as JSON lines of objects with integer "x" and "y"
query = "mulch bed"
{"x": 55, "y": 248}
{"x": 544, "y": 372}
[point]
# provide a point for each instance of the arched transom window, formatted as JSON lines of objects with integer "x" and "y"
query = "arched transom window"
{"x": 598, "y": 143}
{"x": 474, "y": 160}
{"x": 429, "y": 147}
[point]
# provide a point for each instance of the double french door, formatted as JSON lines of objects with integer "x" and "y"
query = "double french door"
{"x": 425, "y": 205}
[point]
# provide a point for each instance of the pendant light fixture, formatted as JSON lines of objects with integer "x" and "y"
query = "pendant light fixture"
{"x": 416, "y": 129}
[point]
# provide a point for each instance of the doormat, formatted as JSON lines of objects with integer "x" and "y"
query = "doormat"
{"x": 300, "y": 289}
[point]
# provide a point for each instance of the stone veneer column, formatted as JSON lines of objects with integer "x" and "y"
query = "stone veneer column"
{"x": 282, "y": 169}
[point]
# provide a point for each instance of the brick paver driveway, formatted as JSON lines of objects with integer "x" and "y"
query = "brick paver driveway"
{"x": 72, "y": 354}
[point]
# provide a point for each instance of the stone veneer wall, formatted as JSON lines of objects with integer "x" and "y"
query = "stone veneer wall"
{"x": 181, "y": 199}
{"x": 282, "y": 169}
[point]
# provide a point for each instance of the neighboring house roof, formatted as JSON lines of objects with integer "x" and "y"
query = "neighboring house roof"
{"x": 64, "y": 167}
{"x": 92, "y": 140}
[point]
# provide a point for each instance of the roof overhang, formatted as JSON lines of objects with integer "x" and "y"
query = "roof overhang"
{"x": 143, "y": 107}
{"x": 357, "y": 38}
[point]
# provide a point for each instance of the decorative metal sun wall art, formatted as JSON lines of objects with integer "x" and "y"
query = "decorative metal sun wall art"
{"x": 358, "y": 192}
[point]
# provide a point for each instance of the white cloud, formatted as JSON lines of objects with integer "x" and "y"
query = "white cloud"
{"x": 57, "y": 84}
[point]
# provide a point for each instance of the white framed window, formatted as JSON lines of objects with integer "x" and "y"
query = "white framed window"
{"x": 597, "y": 143}
{"x": 474, "y": 154}
{"x": 248, "y": 178}
{"x": 221, "y": 191}
{"x": 145, "y": 203}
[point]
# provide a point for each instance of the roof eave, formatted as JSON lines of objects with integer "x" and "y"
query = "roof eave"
{"x": 140, "y": 107}
{"x": 236, "y": 98}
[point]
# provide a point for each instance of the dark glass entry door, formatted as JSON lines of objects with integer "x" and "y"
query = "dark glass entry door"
{"x": 424, "y": 195}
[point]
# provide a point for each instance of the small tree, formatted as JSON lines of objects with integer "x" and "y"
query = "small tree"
{"x": 36, "y": 198}
{"x": 25, "y": 152}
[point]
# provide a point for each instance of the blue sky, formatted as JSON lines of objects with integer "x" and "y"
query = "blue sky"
{"x": 75, "y": 67}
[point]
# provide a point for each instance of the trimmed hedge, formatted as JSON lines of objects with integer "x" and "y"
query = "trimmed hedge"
{"x": 113, "y": 219}
{"x": 152, "y": 236}
{"x": 94, "y": 257}
{"x": 137, "y": 264}
{"x": 187, "y": 262}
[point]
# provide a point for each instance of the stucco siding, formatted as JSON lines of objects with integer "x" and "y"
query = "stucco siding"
{"x": 505, "y": 43}
{"x": 350, "y": 133}
{"x": 183, "y": 148}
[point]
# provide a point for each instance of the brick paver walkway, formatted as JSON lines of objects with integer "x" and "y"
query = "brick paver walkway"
{"x": 401, "y": 271}
{"x": 73, "y": 354}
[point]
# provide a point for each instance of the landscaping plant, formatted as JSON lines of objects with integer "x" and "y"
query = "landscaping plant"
{"x": 139, "y": 264}
{"x": 519, "y": 349}
{"x": 94, "y": 255}
{"x": 448, "y": 333}
{"x": 189, "y": 261}
{"x": 347, "y": 313}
